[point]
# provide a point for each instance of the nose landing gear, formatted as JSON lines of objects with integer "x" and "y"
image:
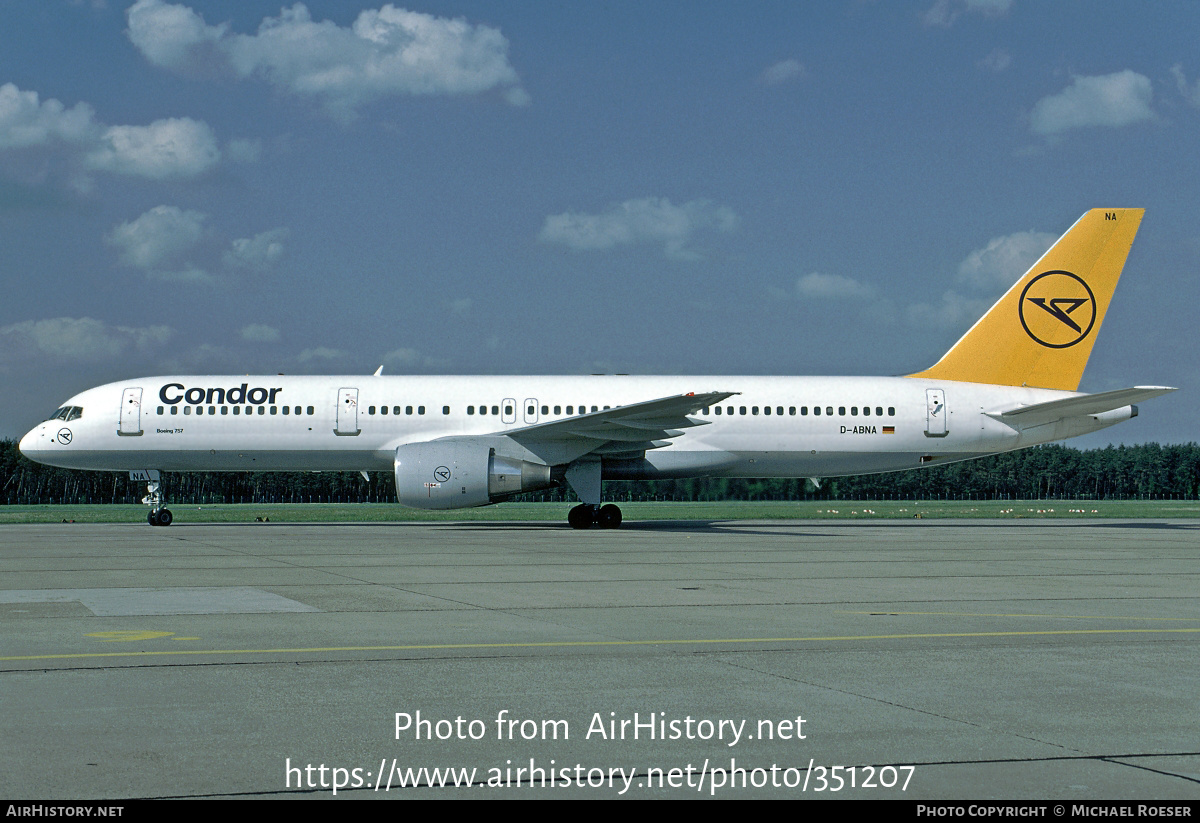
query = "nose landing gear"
{"x": 158, "y": 515}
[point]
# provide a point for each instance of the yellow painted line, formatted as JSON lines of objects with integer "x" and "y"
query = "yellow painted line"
{"x": 591, "y": 643}
{"x": 1051, "y": 616}
{"x": 127, "y": 636}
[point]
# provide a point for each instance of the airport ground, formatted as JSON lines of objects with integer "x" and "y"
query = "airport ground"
{"x": 1051, "y": 659}
{"x": 639, "y": 511}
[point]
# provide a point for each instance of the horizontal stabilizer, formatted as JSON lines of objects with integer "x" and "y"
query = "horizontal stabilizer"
{"x": 1084, "y": 404}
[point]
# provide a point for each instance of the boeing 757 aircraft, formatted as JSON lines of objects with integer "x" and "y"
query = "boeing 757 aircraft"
{"x": 454, "y": 442}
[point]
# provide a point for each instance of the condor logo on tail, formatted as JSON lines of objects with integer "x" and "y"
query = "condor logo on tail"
{"x": 1066, "y": 309}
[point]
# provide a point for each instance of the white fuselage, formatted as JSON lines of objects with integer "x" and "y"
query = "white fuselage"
{"x": 771, "y": 428}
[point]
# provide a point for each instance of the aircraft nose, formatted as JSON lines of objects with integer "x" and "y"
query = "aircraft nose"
{"x": 29, "y": 443}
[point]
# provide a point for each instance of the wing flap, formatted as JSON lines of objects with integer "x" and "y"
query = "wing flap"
{"x": 625, "y": 430}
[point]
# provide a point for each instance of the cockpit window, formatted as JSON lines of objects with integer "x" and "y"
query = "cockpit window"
{"x": 67, "y": 413}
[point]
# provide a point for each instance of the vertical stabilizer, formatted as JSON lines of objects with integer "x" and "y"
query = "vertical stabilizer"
{"x": 1040, "y": 333}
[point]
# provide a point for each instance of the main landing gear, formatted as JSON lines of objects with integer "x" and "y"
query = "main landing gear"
{"x": 585, "y": 516}
{"x": 584, "y": 477}
{"x": 158, "y": 515}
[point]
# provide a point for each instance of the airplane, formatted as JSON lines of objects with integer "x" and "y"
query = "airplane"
{"x": 453, "y": 442}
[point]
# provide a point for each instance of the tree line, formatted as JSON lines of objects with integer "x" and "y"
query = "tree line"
{"x": 1148, "y": 471}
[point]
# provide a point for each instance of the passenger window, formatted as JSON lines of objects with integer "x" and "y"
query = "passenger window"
{"x": 570, "y": 409}
{"x": 160, "y": 410}
{"x": 383, "y": 409}
{"x": 470, "y": 410}
{"x": 594, "y": 408}
{"x": 274, "y": 410}
{"x": 309, "y": 410}
{"x": 174, "y": 410}
{"x": 717, "y": 410}
{"x": 420, "y": 409}
{"x": 495, "y": 409}
{"x": 742, "y": 409}
{"x": 545, "y": 409}
{"x": 187, "y": 409}
{"x": 262, "y": 410}
{"x": 879, "y": 411}
{"x": 754, "y": 410}
{"x": 829, "y": 411}
{"x": 370, "y": 409}
{"x": 408, "y": 409}
{"x": 236, "y": 410}
{"x": 891, "y": 411}
{"x": 286, "y": 410}
{"x": 766, "y": 409}
{"x": 842, "y": 411}
{"x": 854, "y": 411}
{"x": 445, "y": 409}
{"x": 792, "y": 411}
{"x": 395, "y": 409}
{"x": 558, "y": 409}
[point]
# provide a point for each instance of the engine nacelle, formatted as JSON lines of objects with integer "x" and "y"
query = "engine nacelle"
{"x": 457, "y": 473}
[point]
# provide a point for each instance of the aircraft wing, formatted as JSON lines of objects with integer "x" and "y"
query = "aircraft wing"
{"x": 622, "y": 431}
{"x": 1083, "y": 405}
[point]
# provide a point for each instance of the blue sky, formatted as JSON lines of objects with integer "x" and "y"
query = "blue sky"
{"x": 567, "y": 188}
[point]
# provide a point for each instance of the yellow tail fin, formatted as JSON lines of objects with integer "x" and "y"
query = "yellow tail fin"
{"x": 1040, "y": 333}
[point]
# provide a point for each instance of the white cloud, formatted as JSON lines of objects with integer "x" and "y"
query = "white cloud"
{"x": 243, "y": 150}
{"x": 165, "y": 242}
{"x": 386, "y": 51}
{"x": 954, "y": 310}
{"x": 997, "y": 60}
{"x": 1004, "y": 259}
{"x": 1116, "y": 99}
{"x": 832, "y": 287}
{"x": 258, "y": 253}
{"x": 158, "y": 238}
{"x": 408, "y": 359}
{"x": 1190, "y": 93}
{"x": 945, "y": 12}
{"x": 322, "y": 354}
{"x": 25, "y": 122}
{"x": 648, "y": 220}
{"x": 166, "y": 149}
{"x": 258, "y": 333}
{"x": 82, "y": 340}
{"x": 172, "y": 148}
{"x": 782, "y": 72}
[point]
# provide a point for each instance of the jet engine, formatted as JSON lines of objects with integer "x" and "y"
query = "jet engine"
{"x": 457, "y": 473}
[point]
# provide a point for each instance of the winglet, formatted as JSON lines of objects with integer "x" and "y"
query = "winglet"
{"x": 1041, "y": 332}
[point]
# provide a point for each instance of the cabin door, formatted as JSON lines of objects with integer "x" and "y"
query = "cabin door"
{"x": 347, "y": 413}
{"x": 131, "y": 413}
{"x": 935, "y": 414}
